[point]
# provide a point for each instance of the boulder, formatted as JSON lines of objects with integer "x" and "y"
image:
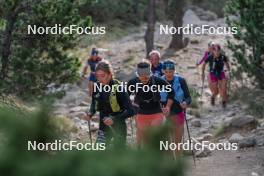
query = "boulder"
{"x": 203, "y": 14}
{"x": 235, "y": 138}
{"x": 247, "y": 142}
{"x": 242, "y": 121}
{"x": 231, "y": 114}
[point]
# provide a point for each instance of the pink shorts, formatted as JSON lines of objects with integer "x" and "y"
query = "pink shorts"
{"x": 145, "y": 121}
{"x": 213, "y": 78}
{"x": 178, "y": 119}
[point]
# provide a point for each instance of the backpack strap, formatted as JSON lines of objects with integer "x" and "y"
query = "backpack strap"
{"x": 179, "y": 94}
{"x": 113, "y": 97}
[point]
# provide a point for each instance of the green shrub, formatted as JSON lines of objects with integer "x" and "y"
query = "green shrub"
{"x": 28, "y": 62}
{"x": 248, "y": 16}
{"x": 38, "y": 126}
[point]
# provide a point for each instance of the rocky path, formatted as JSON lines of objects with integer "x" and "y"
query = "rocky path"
{"x": 204, "y": 120}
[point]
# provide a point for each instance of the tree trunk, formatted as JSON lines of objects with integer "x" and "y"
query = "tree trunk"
{"x": 166, "y": 6}
{"x": 151, "y": 18}
{"x": 135, "y": 7}
{"x": 6, "y": 46}
{"x": 177, "y": 42}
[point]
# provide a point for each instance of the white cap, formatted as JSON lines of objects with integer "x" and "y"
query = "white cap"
{"x": 154, "y": 52}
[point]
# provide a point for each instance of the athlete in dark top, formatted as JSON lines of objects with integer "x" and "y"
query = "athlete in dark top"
{"x": 217, "y": 77}
{"x": 176, "y": 108}
{"x": 149, "y": 102}
{"x": 216, "y": 65}
{"x": 150, "y": 113}
{"x": 91, "y": 62}
{"x": 157, "y": 70}
{"x": 181, "y": 101}
{"x": 113, "y": 106}
{"x": 156, "y": 65}
{"x": 104, "y": 106}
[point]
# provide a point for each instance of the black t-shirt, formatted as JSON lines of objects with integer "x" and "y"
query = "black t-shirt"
{"x": 216, "y": 65}
{"x": 149, "y": 102}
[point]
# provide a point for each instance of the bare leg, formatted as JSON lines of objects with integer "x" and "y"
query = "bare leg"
{"x": 178, "y": 133}
{"x": 222, "y": 90}
{"x": 213, "y": 86}
{"x": 214, "y": 90}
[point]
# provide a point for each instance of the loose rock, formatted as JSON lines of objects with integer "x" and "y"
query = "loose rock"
{"x": 247, "y": 142}
{"x": 235, "y": 138}
{"x": 196, "y": 123}
{"x": 240, "y": 122}
{"x": 203, "y": 153}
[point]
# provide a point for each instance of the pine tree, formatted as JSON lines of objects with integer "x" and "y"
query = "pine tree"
{"x": 29, "y": 62}
{"x": 248, "y": 16}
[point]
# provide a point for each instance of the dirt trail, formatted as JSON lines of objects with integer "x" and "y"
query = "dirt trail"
{"x": 230, "y": 163}
{"x": 126, "y": 52}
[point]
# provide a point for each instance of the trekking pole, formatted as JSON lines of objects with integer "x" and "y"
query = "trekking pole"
{"x": 229, "y": 84}
{"x": 89, "y": 128}
{"x": 189, "y": 136}
{"x": 202, "y": 87}
{"x": 198, "y": 72}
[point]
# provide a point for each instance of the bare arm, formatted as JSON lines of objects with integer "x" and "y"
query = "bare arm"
{"x": 205, "y": 56}
{"x": 169, "y": 103}
{"x": 84, "y": 70}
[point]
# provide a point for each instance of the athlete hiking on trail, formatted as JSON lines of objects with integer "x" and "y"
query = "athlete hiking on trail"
{"x": 156, "y": 65}
{"x": 114, "y": 106}
{"x": 150, "y": 112}
{"x": 156, "y": 68}
{"x": 92, "y": 61}
{"x": 181, "y": 100}
{"x": 207, "y": 53}
{"x": 217, "y": 78}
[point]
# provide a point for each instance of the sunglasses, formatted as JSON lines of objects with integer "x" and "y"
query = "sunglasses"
{"x": 144, "y": 74}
